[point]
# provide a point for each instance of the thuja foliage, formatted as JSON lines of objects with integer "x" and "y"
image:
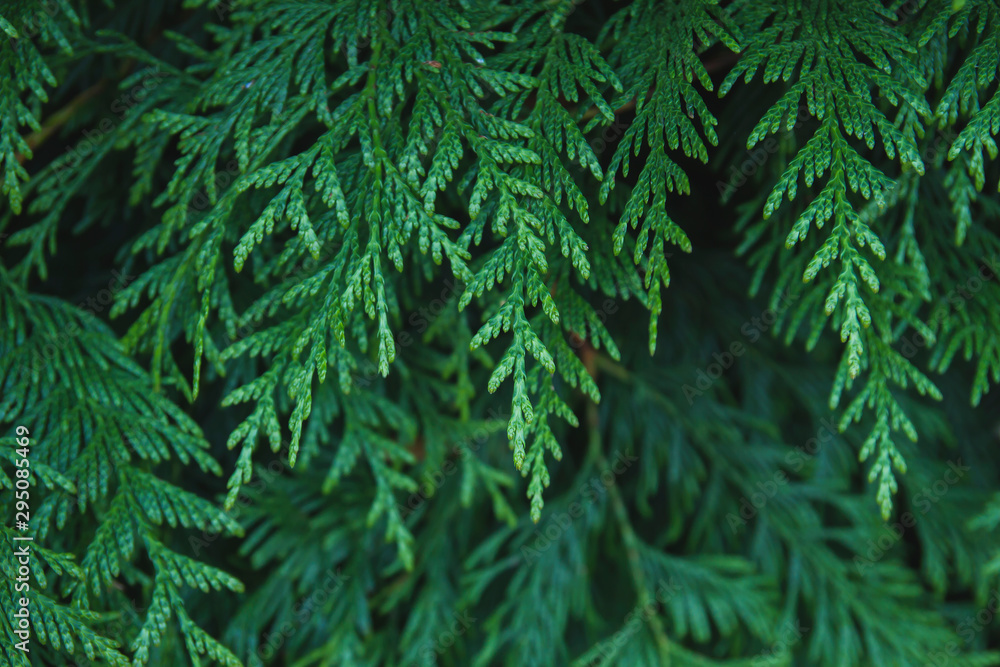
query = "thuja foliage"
{"x": 291, "y": 290}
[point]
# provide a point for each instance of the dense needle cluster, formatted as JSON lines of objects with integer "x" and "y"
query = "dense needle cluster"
{"x": 718, "y": 279}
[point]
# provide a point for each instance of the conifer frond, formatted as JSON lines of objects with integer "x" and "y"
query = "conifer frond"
{"x": 843, "y": 64}
{"x": 24, "y": 77}
{"x": 366, "y": 243}
{"x": 658, "y": 62}
{"x": 99, "y": 430}
{"x": 978, "y": 22}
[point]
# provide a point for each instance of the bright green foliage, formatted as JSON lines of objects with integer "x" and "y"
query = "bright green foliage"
{"x": 840, "y": 61}
{"x": 24, "y": 76}
{"x": 368, "y": 243}
{"x": 660, "y": 78}
{"x": 979, "y": 23}
{"x": 96, "y": 434}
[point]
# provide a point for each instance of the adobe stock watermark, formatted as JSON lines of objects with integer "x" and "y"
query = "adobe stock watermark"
{"x": 263, "y": 478}
{"x": 301, "y": 272}
{"x": 941, "y": 145}
{"x": 908, "y": 10}
{"x": 429, "y": 650}
{"x": 757, "y": 157}
{"x": 752, "y": 329}
{"x": 558, "y": 522}
{"x": 967, "y": 629}
{"x": 608, "y": 307}
{"x": 433, "y": 480}
{"x": 201, "y": 200}
{"x": 795, "y": 459}
{"x": 421, "y": 319}
{"x": 333, "y": 581}
{"x": 121, "y": 105}
{"x": 31, "y": 26}
{"x": 224, "y": 8}
{"x": 609, "y": 134}
{"x": 55, "y": 342}
{"x": 891, "y": 534}
{"x": 956, "y": 298}
{"x": 788, "y": 635}
{"x": 124, "y": 456}
{"x": 635, "y": 619}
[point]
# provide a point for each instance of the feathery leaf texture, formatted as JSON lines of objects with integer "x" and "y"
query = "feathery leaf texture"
{"x": 387, "y": 236}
